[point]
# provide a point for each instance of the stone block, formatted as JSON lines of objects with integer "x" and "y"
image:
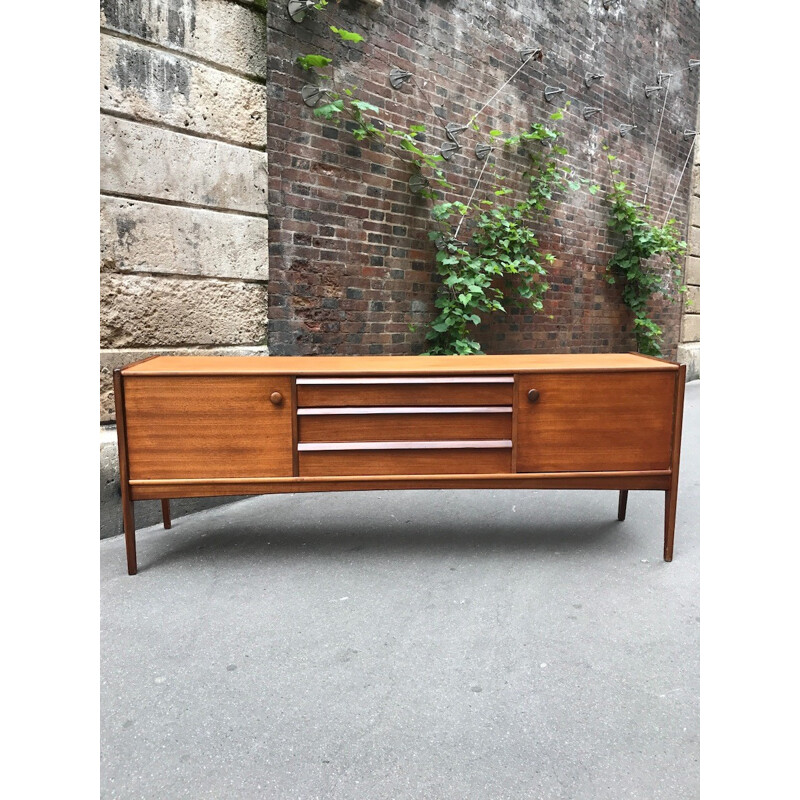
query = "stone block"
{"x": 692, "y": 270}
{"x": 168, "y": 88}
{"x": 139, "y": 311}
{"x": 220, "y": 31}
{"x": 112, "y": 359}
{"x": 693, "y": 242}
{"x": 138, "y": 236}
{"x": 692, "y": 300}
{"x": 689, "y": 354}
{"x": 145, "y": 161}
{"x": 690, "y": 328}
{"x": 694, "y": 213}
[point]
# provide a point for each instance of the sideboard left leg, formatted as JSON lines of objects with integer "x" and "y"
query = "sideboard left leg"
{"x": 623, "y": 504}
{"x": 165, "y": 514}
{"x": 129, "y": 526}
{"x": 128, "y": 519}
{"x": 670, "y": 507}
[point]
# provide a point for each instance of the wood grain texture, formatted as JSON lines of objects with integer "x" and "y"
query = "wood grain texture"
{"x": 610, "y": 421}
{"x": 208, "y": 427}
{"x": 404, "y": 427}
{"x": 404, "y": 462}
{"x": 561, "y": 480}
{"x": 399, "y": 365}
{"x": 295, "y": 431}
{"x": 413, "y": 394}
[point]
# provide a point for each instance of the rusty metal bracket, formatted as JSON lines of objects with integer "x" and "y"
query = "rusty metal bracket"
{"x": 397, "y": 77}
{"x": 550, "y": 92}
{"x": 299, "y": 8}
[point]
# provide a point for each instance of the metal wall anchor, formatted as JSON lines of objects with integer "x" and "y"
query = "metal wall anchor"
{"x": 590, "y": 111}
{"x": 448, "y": 148}
{"x": 452, "y": 244}
{"x": 661, "y": 75}
{"x": 694, "y": 63}
{"x": 397, "y": 77}
{"x": 417, "y": 183}
{"x": 608, "y": 3}
{"x": 624, "y": 130}
{"x": 648, "y": 90}
{"x": 687, "y": 134}
{"x": 482, "y": 150}
{"x": 312, "y": 94}
{"x": 550, "y": 92}
{"x": 592, "y": 77}
{"x": 527, "y": 52}
{"x": 451, "y": 129}
{"x": 299, "y": 8}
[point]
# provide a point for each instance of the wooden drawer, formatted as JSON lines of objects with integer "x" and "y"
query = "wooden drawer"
{"x": 405, "y": 391}
{"x": 392, "y": 460}
{"x": 419, "y": 423}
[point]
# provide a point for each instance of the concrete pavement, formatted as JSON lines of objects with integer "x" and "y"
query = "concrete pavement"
{"x": 454, "y": 644}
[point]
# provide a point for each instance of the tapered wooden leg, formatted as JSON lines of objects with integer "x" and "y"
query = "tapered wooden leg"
{"x": 129, "y": 526}
{"x": 165, "y": 514}
{"x": 128, "y": 521}
{"x": 671, "y": 495}
{"x": 670, "y": 506}
{"x": 623, "y": 504}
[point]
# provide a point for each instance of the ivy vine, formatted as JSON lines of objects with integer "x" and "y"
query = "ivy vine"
{"x": 502, "y": 266}
{"x": 640, "y": 240}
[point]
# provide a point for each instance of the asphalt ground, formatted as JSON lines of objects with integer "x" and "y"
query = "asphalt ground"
{"x": 419, "y": 644}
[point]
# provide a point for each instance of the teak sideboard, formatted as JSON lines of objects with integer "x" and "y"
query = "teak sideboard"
{"x": 202, "y": 426}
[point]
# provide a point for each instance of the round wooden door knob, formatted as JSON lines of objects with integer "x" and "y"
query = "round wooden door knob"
{"x": 276, "y": 398}
{"x": 533, "y": 395}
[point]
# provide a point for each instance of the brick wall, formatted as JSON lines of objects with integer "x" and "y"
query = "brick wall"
{"x": 184, "y": 252}
{"x": 350, "y": 262}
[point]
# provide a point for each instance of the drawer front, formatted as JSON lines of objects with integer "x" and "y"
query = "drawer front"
{"x": 418, "y": 461}
{"x": 441, "y": 423}
{"x": 208, "y": 427}
{"x": 595, "y": 422}
{"x": 404, "y": 391}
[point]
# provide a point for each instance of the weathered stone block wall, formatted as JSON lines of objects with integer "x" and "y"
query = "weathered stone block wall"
{"x": 689, "y": 349}
{"x": 183, "y": 195}
{"x": 350, "y": 262}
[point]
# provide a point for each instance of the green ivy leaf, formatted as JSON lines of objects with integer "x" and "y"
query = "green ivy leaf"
{"x": 347, "y": 36}
{"x": 309, "y": 62}
{"x": 362, "y": 105}
{"x": 329, "y": 110}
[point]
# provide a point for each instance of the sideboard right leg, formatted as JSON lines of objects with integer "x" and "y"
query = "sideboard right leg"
{"x": 129, "y": 526}
{"x": 670, "y": 507}
{"x": 623, "y": 504}
{"x": 671, "y": 495}
{"x": 165, "y": 514}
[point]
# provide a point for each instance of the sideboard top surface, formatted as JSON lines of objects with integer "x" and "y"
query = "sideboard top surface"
{"x": 388, "y": 365}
